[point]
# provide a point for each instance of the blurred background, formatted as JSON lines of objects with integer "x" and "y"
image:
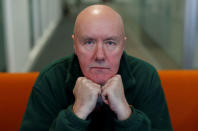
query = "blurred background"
{"x": 34, "y": 33}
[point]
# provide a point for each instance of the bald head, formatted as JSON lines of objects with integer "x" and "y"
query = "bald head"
{"x": 97, "y": 13}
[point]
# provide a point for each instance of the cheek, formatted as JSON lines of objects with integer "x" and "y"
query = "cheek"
{"x": 114, "y": 66}
{"x": 114, "y": 61}
{"x": 84, "y": 60}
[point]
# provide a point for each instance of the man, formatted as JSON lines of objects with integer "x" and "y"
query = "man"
{"x": 100, "y": 87}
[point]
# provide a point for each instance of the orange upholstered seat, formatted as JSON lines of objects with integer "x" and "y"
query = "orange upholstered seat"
{"x": 14, "y": 93}
{"x": 181, "y": 91}
{"x": 180, "y": 87}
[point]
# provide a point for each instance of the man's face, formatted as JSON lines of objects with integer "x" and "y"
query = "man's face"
{"x": 99, "y": 45}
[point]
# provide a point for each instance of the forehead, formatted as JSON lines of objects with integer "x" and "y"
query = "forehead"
{"x": 99, "y": 28}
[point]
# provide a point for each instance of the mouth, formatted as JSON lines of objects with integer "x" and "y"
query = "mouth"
{"x": 100, "y": 68}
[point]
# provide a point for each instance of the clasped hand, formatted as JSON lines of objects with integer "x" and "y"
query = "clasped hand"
{"x": 86, "y": 94}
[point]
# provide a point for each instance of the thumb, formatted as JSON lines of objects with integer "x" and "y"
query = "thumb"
{"x": 105, "y": 98}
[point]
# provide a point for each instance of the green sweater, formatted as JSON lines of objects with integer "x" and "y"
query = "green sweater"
{"x": 50, "y": 103}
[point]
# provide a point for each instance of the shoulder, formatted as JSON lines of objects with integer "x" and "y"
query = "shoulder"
{"x": 144, "y": 73}
{"x": 139, "y": 66}
{"x": 147, "y": 80}
{"x": 57, "y": 69}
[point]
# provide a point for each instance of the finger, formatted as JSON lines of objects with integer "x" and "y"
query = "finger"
{"x": 116, "y": 78}
{"x": 78, "y": 82}
{"x": 80, "y": 78}
{"x": 109, "y": 82}
{"x": 96, "y": 85}
{"x": 99, "y": 91}
{"x": 105, "y": 99}
{"x": 89, "y": 83}
{"x": 104, "y": 87}
{"x": 93, "y": 83}
{"x": 118, "y": 75}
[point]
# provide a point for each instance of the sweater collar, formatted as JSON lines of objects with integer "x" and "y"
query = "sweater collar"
{"x": 125, "y": 71}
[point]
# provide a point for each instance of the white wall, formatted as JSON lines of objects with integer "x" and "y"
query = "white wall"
{"x": 46, "y": 15}
{"x": 26, "y": 19}
{"x": 16, "y": 33}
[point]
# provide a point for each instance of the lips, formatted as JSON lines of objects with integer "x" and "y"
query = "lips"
{"x": 100, "y": 67}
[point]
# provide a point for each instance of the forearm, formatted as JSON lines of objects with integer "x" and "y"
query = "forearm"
{"x": 138, "y": 121}
{"x": 67, "y": 120}
{"x": 42, "y": 113}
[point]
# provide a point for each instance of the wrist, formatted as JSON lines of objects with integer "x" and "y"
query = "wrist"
{"x": 79, "y": 112}
{"x": 124, "y": 112}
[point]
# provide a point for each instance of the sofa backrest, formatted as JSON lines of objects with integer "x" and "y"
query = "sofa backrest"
{"x": 181, "y": 91}
{"x": 180, "y": 87}
{"x": 14, "y": 93}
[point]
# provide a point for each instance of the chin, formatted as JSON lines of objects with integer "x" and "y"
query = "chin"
{"x": 99, "y": 79}
{"x": 100, "y": 82}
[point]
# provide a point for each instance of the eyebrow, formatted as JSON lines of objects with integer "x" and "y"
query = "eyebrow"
{"x": 86, "y": 38}
{"x": 112, "y": 38}
{"x": 92, "y": 38}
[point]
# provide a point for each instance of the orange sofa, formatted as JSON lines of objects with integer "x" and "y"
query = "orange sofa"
{"x": 180, "y": 87}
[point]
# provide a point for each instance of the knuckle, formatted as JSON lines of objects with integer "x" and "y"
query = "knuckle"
{"x": 84, "y": 81}
{"x": 87, "y": 85}
{"x": 118, "y": 77}
{"x": 79, "y": 79}
{"x": 98, "y": 87}
{"x": 96, "y": 90}
{"x": 99, "y": 90}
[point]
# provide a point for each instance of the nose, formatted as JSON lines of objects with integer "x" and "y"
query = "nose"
{"x": 99, "y": 54}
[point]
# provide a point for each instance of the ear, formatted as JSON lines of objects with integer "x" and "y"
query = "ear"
{"x": 125, "y": 38}
{"x": 74, "y": 45}
{"x": 73, "y": 37}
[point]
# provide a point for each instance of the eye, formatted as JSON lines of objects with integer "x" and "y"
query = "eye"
{"x": 89, "y": 42}
{"x": 110, "y": 43}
